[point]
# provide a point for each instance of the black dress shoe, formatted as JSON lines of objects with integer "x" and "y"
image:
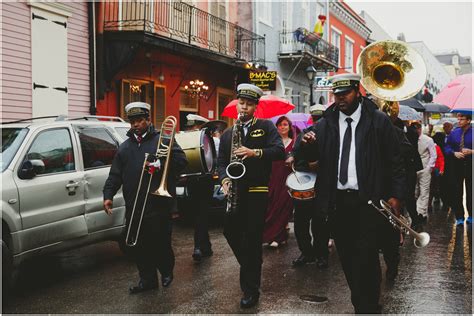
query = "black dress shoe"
{"x": 207, "y": 253}
{"x": 322, "y": 263}
{"x": 302, "y": 260}
{"x": 142, "y": 287}
{"x": 166, "y": 280}
{"x": 197, "y": 254}
{"x": 249, "y": 301}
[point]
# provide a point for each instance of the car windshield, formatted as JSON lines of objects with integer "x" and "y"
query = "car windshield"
{"x": 122, "y": 131}
{"x": 11, "y": 141}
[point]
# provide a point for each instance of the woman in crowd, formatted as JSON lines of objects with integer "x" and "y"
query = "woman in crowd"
{"x": 280, "y": 205}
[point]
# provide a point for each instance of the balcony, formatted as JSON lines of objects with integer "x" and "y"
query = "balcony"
{"x": 184, "y": 28}
{"x": 311, "y": 48}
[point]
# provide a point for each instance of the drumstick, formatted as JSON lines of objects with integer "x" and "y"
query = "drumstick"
{"x": 294, "y": 171}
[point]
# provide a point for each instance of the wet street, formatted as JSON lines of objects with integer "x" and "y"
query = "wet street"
{"x": 95, "y": 279}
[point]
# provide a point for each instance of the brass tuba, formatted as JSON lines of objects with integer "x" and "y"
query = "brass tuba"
{"x": 391, "y": 70}
{"x": 163, "y": 150}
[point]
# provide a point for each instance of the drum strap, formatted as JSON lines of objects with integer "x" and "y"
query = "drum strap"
{"x": 258, "y": 189}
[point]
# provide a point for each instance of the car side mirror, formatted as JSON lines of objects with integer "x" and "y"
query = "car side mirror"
{"x": 30, "y": 168}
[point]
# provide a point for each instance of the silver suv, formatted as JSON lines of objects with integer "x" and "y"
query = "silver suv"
{"x": 52, "y": 174}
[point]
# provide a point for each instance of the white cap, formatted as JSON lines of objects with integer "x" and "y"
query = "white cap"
{"x": 137, "y": 109}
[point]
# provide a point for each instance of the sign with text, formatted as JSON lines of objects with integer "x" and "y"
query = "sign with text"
{"x": 322, "y": 84}
{"x": 265, "y": 80}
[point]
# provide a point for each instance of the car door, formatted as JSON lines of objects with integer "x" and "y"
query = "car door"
{"x": 51, "y": 203}
{"x": 98, "y": 148}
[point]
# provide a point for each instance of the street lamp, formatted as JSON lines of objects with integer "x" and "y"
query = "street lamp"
{"x": 310, "y": 73}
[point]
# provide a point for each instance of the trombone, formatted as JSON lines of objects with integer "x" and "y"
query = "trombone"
{"x": 421, "y": 239}
{"x": 163, "y": 150}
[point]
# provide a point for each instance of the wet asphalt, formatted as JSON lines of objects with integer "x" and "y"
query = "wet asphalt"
{"x": 436, "y": 279}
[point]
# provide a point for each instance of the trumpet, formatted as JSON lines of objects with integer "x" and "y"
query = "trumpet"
{"x": 163, "y": 150}
{"x": 420, "y": 239}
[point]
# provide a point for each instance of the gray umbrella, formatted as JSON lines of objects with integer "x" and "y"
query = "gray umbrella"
{"x": 414, "y": 104}
{"x": 436, "y": 108}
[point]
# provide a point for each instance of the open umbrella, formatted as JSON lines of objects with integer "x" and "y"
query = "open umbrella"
{"x": 436, "y": 108}
{"x": 407, "y": 113}
{"x": 268, "y": 106}
{"x": 457, "y": 94}
{"x": 300, "y": 120}
{"x": 414, "y": 104}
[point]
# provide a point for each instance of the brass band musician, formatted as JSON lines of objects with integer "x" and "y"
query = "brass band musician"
{"x": 153, "y": 249}
{"x": 354, "y": 144}
{"x": 260, "y": 144}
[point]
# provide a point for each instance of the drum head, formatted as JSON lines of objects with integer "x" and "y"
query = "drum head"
{"x": 301, "y": 181}
{"x": 208, "y": 153}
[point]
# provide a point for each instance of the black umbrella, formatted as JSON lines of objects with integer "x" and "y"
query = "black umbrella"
{"x": 436, "y": 108}
{"x": 414, "y": 104}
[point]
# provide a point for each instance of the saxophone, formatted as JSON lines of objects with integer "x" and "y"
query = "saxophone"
{"x": 236, "y": 169}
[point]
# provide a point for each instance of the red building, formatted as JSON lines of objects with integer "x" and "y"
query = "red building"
{"x": 348, "y": 32}
{"x": 150, "y": 51}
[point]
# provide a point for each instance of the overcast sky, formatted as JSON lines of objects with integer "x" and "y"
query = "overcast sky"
{"x": 442, "y": 25}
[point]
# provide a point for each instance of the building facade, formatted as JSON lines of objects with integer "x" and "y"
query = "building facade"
{"x": 349, "y": 33}
{"x": 157, "y": 52}
{"x": 437, "y": 77}
{"x": 292, "y": 47}
{"x": 46, "y": 61}
{"x": 454, "y": 63}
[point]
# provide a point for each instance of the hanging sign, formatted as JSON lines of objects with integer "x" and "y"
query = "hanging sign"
{"x": 322, "y": 84}
{"x": 265, "y": 80}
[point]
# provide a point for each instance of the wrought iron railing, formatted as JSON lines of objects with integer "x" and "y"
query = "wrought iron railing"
{"x": 185, "y": 23}
{"x": 293, "y": 42}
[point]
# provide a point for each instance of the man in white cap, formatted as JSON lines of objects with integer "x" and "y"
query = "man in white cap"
{"x": 357, "y": 162}
{"x": 200, "y": 189}
{"x": 153, "y": 250}
{"x": 260, "y": 145}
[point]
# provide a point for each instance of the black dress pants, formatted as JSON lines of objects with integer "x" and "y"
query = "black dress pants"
{"x": 244, "y": 233}
{"x": 306, "y": 217}
{"x": 153, "y": 250}
{"x": 462, "y": 175}
{"x": 354, "y": 224}
{"x": 201, "y": 191}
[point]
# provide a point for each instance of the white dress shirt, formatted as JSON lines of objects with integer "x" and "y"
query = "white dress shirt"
{"x": 246, "y": 126}
{"x": 136, "y": 136}
{"x": 427, "y": 151}
{"x": 352, "y": 170}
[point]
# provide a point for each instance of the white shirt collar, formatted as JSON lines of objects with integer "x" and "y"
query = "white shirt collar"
{"x": 354, "y": 116}
{"x": 136, "y": 136}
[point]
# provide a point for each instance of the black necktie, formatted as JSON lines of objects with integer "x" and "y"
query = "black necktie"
{"x": 346, "y": 148}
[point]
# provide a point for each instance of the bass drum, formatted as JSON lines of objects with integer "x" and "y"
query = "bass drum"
{"x": 200, "y": 151}
{"x": 301, "y": 185}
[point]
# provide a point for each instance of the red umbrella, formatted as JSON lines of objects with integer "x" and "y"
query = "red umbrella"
{"x": 268, "y": 106}
{"x": 457, "y": 94}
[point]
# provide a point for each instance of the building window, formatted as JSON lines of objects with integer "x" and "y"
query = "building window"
{"x": 306, "y": 101}
{"x": 336, "y": 41}
{"x": 134, "y": 91}
{"x": 265, "y": 12}
{"x": 187, "y": 103}
{"x": 288, "y": 94}
{"x": 349, "y": 55}
{"x": 305, "y": 15}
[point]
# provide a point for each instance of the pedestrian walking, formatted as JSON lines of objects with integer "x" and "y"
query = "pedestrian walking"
{"x": 427, "y": 151}
{"x": 280, "y": 205}
{"x": 459, "y": 148}
{"x": 446, "y": 190}
{"x": 257, "y": 144}
{"x": 153, "y": 249}
{"x": 353, "y": 143}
